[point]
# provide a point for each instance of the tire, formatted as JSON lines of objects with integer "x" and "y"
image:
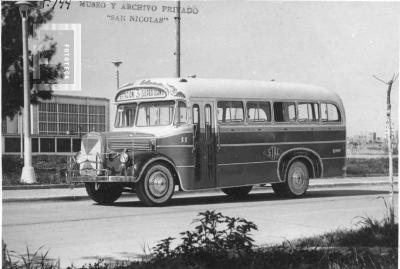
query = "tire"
{"x": 107, "y": 193}
{"x": 156, "y": 187}
{"x": 296, "y": 181}
{"x": 280, "y": 189}
{"x": 237, "y": 192}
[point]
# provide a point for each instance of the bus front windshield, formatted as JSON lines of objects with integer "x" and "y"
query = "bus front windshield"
{"x": 125, "y": 115}
{"x": 155, "y": 113}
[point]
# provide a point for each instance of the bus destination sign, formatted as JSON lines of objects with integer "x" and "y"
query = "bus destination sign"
{"x": 140, "y": 93}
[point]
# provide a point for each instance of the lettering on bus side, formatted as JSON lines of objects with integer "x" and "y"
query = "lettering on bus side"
{"x": 272, "y": 152}
{"x": 336, "y": 151}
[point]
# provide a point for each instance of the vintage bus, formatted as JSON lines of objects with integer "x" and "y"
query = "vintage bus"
{"x": 213, "y": 133}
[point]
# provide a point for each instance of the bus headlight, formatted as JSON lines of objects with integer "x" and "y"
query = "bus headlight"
{"x": 123, "y": 157}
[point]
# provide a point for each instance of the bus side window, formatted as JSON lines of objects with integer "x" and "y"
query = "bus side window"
{"x": 181, "y": 116}
{"x": 258, "y": 111}
{"x": 196, "y": 115}
{"x": 196, "y": 121}
{"x": 308, "y": 112}
{"x": 207, "y": 121}
{"x": 330, "y": 113}
{"x": 230, "y": 111}
{"x": 285, "y": 111}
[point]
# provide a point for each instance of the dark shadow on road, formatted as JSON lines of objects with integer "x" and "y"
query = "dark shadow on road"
{"x": 253, "y": 197}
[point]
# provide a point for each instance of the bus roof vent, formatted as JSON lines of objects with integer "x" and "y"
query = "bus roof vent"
{"x": 182, "y": 80}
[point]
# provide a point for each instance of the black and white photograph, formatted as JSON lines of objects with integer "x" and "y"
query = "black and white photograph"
{"x": 200, "y": 134}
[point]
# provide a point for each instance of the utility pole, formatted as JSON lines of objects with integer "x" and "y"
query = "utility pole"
{"x": 28, "y": 173}
{"x": 117, "y": 64}
{"x": 21, "y": 127}
{"x": 178, "y": 39}
{"x": 389, "y": 141}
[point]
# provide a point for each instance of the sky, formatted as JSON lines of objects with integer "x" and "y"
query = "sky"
{"x": 336, "y": 45}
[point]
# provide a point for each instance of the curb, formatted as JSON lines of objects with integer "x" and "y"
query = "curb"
{"x": 41, "y": 186}
{"x": 81, "y": 185}
{"x": 85, "y": 197}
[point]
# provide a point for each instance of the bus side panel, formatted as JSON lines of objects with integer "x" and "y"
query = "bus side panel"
{"x": 186, "y": 175}
{"x": 249, "y": 155}
{"x": 333, "y": 167}
{"x": 179, "y": 148}
{"x": 238, "y": 175}
{"x": 189, "y": 162}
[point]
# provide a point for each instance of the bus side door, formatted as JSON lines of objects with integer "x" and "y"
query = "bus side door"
{"x": 204, "y": 152}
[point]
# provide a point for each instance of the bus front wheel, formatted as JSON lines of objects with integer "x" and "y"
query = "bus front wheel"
{"x": 297, "y": 180}
{"x": 104, "y": 193}
{"x": 237, "y": 192}
{"x": 156, "y": 187}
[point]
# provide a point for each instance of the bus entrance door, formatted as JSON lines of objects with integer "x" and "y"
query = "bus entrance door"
{"x": 204, "y": 145}
{"x": 209, "y": 146}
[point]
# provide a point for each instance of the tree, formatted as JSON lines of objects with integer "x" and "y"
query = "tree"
{"x": 11, "y": 50}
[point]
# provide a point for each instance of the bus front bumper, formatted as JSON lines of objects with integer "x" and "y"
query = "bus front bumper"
{"x": 73, "y": 176}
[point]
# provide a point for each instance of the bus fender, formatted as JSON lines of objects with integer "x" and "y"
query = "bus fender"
{"x": 309, "y": 156}
{"x": 145, "y": 160}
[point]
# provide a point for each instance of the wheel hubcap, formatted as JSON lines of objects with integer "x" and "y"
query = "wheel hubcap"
{"x": 298, "y": 179}
{"x": 158, "y": 184}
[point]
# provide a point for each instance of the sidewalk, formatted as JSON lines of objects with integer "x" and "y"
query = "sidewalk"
{"x": 79, "y": 193}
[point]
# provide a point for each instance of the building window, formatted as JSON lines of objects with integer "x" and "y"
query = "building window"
{"x": 96, "y": 115}
{"x": 76, "y": 145}
{"x": 35, "y": 145}
{"x": 64, "y": 119}
{"x": 63, "y": 145}
{"x": 12, "y": 144}
{"x": 52, "y": 128}
{"x": 47, "y": 145}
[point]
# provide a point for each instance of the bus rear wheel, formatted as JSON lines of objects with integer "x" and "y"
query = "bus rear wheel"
{"x": 297, "y": 181}
{"x": 280, "y": 189}
{"x": 156, "y": 187}
{"x": 104, "y": 193}
{"x": 237, "y": 192}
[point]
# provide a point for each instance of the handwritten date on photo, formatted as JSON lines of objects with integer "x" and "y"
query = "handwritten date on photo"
{"x": 61, "y": 4}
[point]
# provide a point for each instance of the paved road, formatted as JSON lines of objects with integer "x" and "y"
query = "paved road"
{"x": 80, "y": 231}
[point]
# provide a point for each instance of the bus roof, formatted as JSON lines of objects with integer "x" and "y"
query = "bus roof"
{"x": 238, "y": 89}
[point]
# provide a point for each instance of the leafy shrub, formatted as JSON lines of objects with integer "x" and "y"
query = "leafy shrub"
{"x": 215, "y": 236}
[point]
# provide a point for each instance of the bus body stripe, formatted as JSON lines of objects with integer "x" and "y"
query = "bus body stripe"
{"x": 224, "y": 164}
{"x": 281, "y": 143}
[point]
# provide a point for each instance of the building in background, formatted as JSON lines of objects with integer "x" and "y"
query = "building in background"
{"x": 57, "y": 125}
